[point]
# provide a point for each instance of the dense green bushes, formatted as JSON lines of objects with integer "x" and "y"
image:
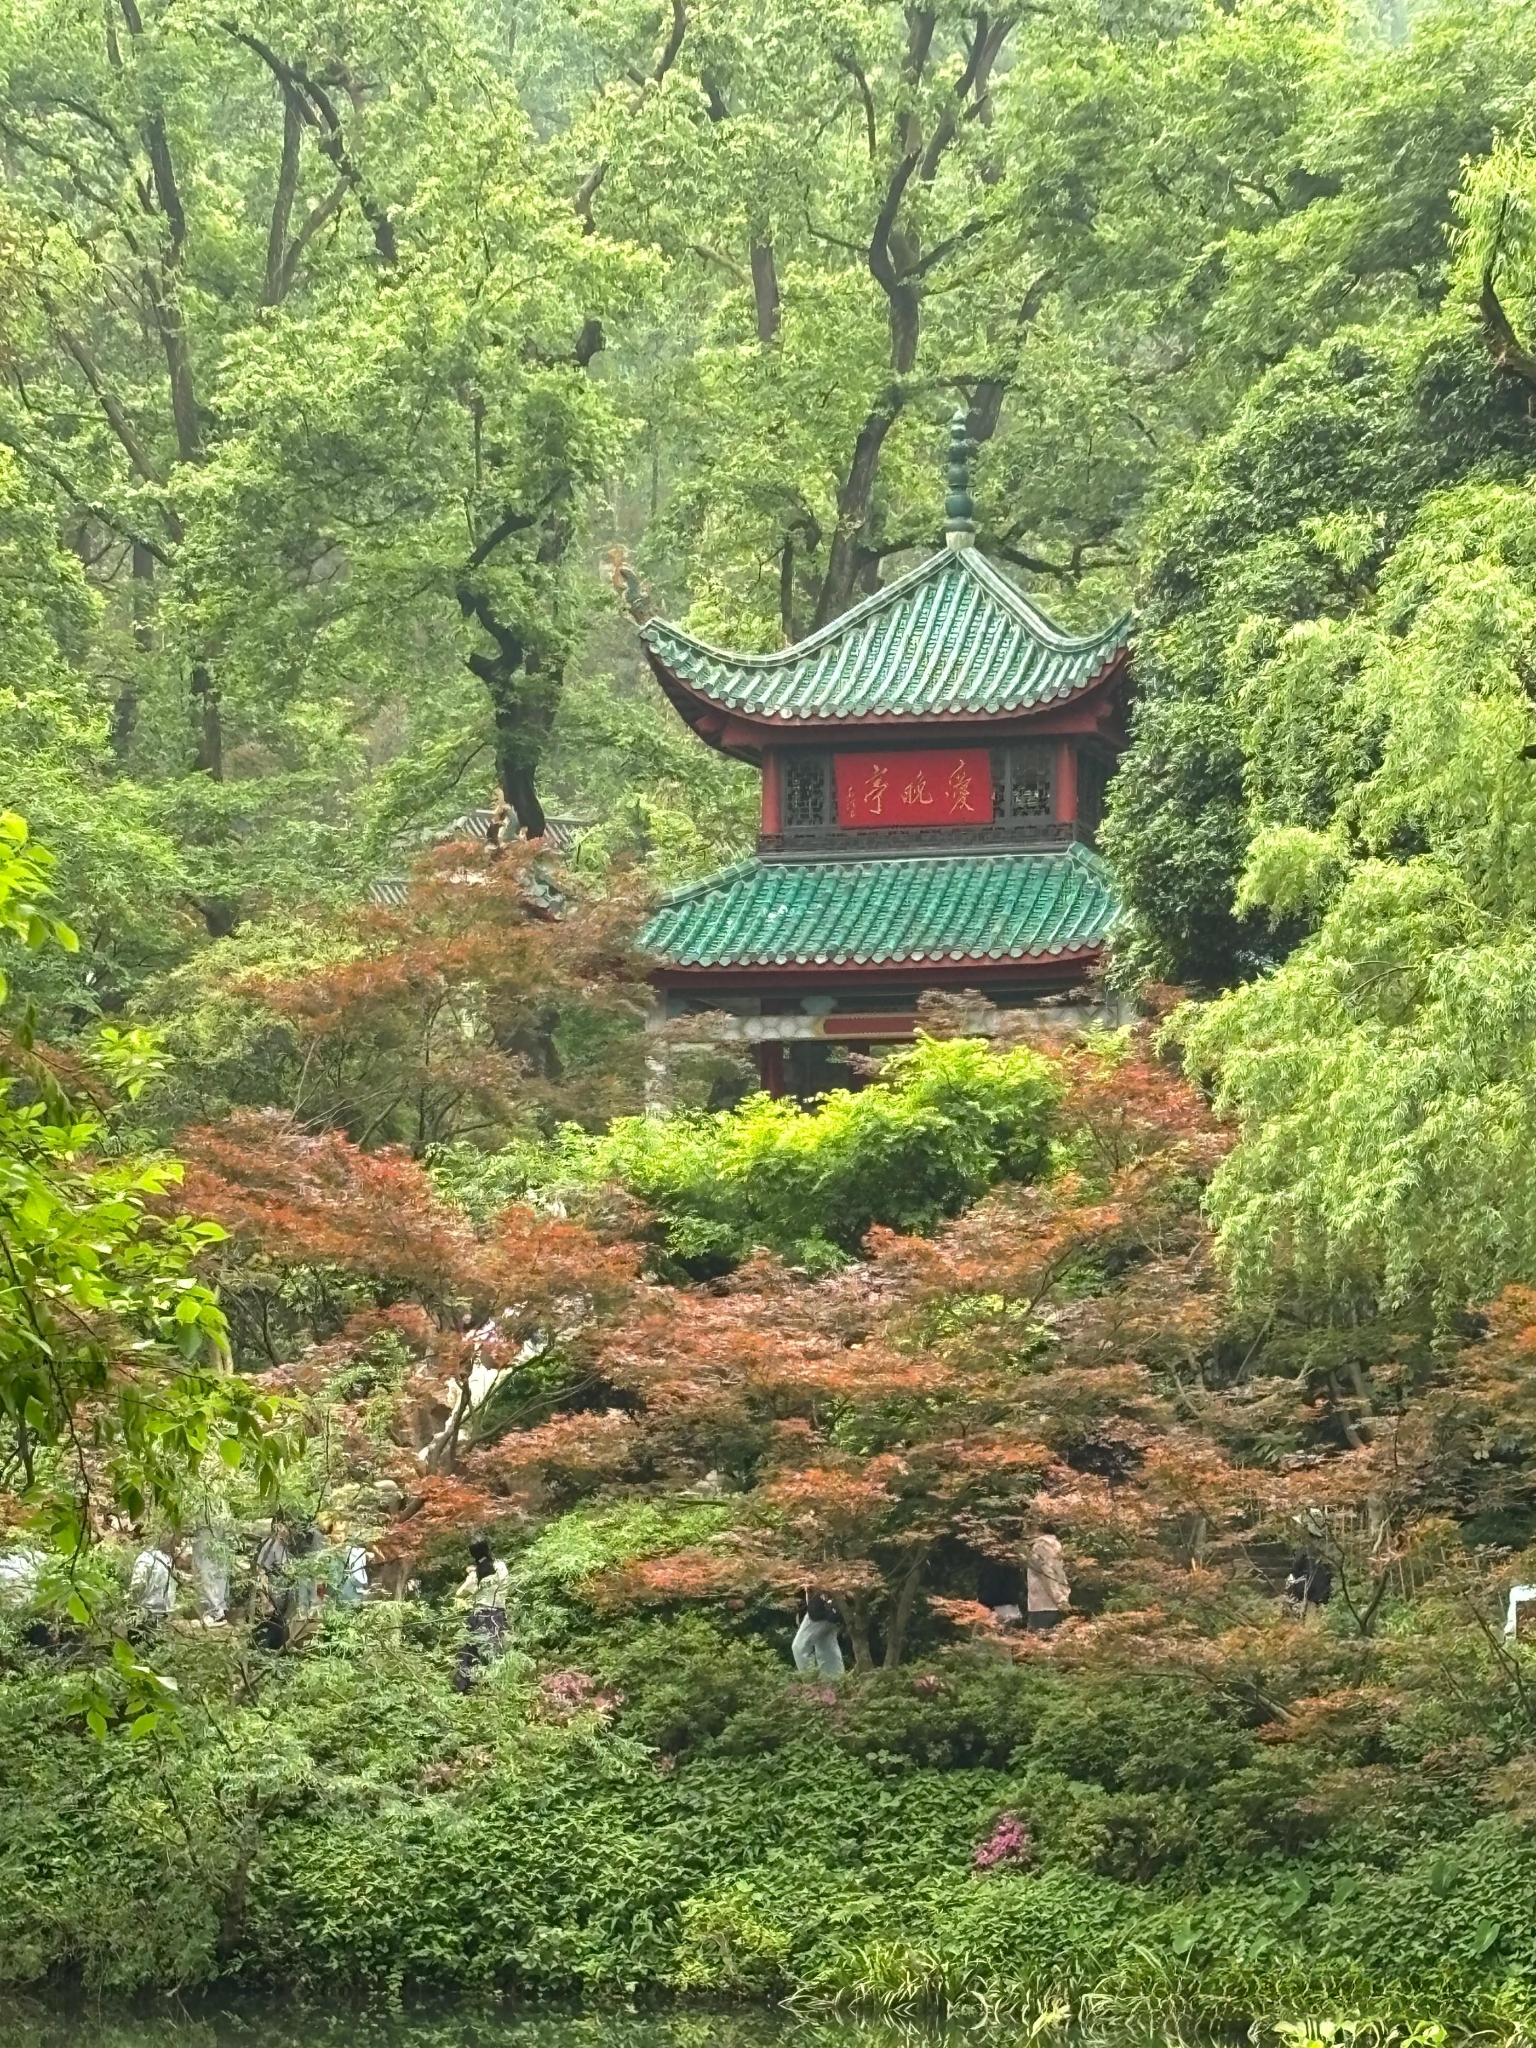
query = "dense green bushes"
{"x": 341, "y": 1823}
{"x": 945, "y": 1120}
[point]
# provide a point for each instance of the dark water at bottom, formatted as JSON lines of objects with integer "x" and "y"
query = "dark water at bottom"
{"x": 29, "y": 2025}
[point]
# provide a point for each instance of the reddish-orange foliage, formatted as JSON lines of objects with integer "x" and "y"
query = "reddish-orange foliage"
{"x": 290, "y": 1199}
{"x": 334, "y": 1251}
{"x": 955, "y": 1391}
{"x": 1062, "y": 1356}
{"x": 567, "y": 1455}
{"x": 440, "y": 1507}
{"x": 306, "y": 1200}
{"x": 445, "y": 1022}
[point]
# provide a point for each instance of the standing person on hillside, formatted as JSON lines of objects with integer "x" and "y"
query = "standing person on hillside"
{"x": 352, "y": 1582}
{"x": 1308, "y": 1584}
{"x": 502, "y": 826}
{"x": 815, "y": 1647}
{"x": 210, "y": 1575}
{"x": 1516, "y": 1621}
{"x": 484, "y": 1591}
{"x": 1047, "y": 1587}
{"x": 152, "y": 1588}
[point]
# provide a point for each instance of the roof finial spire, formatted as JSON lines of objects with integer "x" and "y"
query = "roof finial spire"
{"x": 959, "y": 508}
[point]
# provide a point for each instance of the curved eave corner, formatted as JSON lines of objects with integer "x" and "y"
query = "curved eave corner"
{"x": 900, "y": 658}
{"x": 699, "y": 711}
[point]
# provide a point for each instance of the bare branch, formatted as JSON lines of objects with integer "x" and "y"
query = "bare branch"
{"x": 765, "y": 291}
{"x": 111, "y": 520}
{"x": 282, "y": 203}
{"x": 674, "y": 41}
{"x": 117, "y": 419}
{"x": 881, "y": 266}
{"x": 586, "y": 192}
{"x": 1504, "y": 345}
{"x": 315, "y": 108}
{"x": 723, "y": 262}
{"x": 324, "y": 210}
{"x": 855, "y": 70}
{"x": 510, "y": 522}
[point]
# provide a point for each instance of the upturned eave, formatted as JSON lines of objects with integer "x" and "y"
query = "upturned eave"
{"x": 1095, "y": 710}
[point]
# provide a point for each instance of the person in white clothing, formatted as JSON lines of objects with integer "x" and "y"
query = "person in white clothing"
{"x": 1047, "y": 1588}
{"x": 210, "y": 1576}
{"x": 352, "y": 1585}
{"x": 815, "y": 1647}
{"x": 1519, "y": 1596}
{"x": 152, "y": 1587}
{"x": 20, "y": 1572}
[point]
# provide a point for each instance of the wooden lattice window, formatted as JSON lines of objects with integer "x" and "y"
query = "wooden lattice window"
{"x": 1031, "y": 782}
{"x": 809, "y": 796}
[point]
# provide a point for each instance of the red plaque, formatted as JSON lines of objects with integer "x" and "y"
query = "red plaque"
{"x": 942, "y": 786}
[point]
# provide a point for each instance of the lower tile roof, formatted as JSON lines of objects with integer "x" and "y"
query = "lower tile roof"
{"x": 884, "y": 912}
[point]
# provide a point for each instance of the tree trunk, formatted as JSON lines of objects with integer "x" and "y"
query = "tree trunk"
{"x": 906, "y": 317}
{"x": 765, "y": 292}
{"x": 985, "y": 410}
{"x": 524, "y": 698}
{"x": 517, "y": 785}
{"x": 901, "y": 1613}
{"x": 853, "y": 503}
{"x": 125, "y": 710}
{"x": 282, "y": 203}
{"x": 210, "y": 730}
{"x": 787, "y": 590}
{"x": 855, "y": 1615}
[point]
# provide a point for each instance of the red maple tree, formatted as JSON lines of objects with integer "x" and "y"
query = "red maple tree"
{"x": 499, "y": 990}
{"x": 1063, "y": 1355}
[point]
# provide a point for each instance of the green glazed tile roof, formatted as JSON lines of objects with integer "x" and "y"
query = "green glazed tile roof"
{"x": 985, "y": 906}
{"x": 951, "y": 638}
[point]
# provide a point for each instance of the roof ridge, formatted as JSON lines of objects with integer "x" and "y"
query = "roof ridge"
{"x": 820, "y": 637}
{"x": 686, "y": 892}
{"x": 970, "y": 560}
{"x": 1029, "y": 613}
{"x": 1072, "y": 849}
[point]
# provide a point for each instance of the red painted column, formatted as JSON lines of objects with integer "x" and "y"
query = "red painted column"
{"x": 773, "y": 808}
{"x": 770, "y": 1065}
{"x": 1066, "y": 783}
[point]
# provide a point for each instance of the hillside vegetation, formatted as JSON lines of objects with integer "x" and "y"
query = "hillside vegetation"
{"x": 363, "y": 370}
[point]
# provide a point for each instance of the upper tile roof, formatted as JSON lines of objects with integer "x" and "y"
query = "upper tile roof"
{"x": 951, "y": 638}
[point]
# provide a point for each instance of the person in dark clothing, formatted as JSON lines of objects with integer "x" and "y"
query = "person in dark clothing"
{"x": 485, "y": 1592}
{"x": 1000, "y": 1586}
{"x": 1309, "y": 1583}
{"x": 271, "y": 1631}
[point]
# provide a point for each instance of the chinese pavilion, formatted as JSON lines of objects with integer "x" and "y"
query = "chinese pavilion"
{"x": 934, "y": 765}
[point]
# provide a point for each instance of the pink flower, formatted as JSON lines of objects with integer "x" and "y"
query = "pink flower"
{"x": 1009, "y": 1842}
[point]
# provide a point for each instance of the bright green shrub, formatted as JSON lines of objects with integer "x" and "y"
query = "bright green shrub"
{"x": 352, "y": 1827}
{"x": 682, "y": 1682}
{"x": 1146, "y": 1738}
{"x": 946, "y": 1119}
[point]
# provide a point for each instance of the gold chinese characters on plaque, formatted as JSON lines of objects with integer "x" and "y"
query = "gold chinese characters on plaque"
{"x": 950, "y": 786}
